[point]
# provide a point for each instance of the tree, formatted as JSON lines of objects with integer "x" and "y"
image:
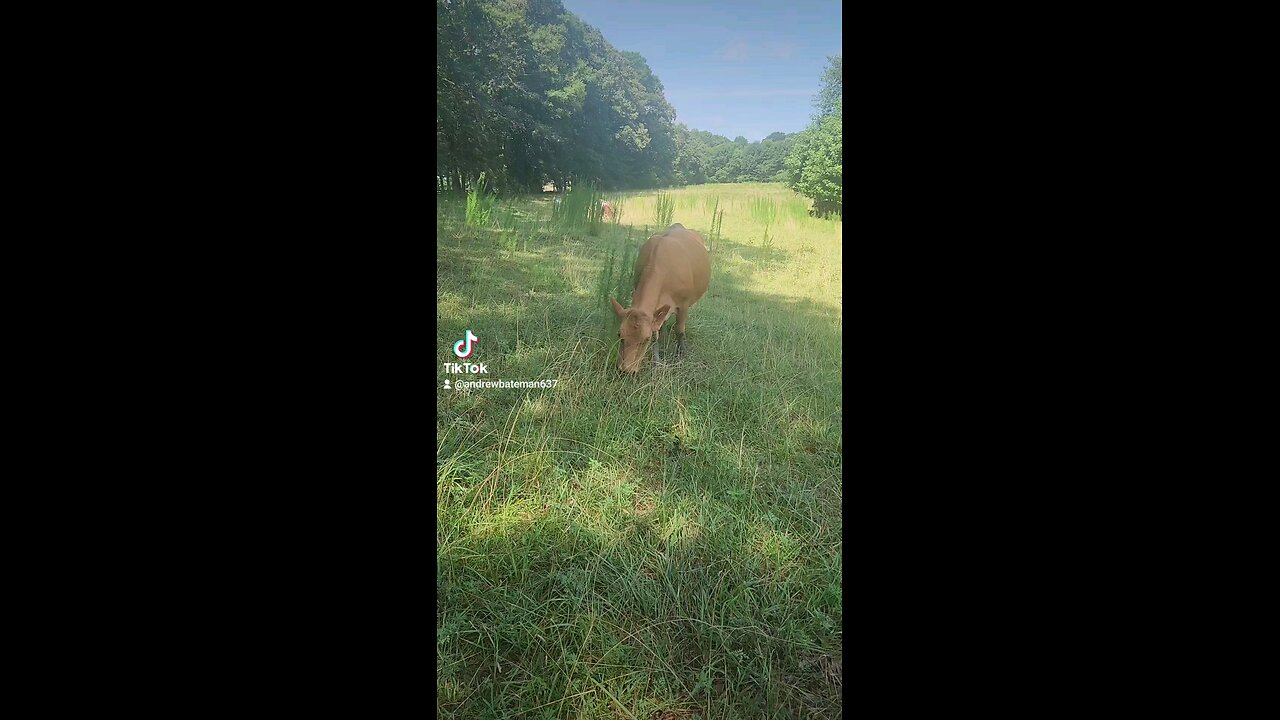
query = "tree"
{"x": 815, "y": 167}
{"x": 831, "y": 97}
{"x": 691, "y": 157}
{"x": 773, "y": 156}
{"x": 527, "y": 92}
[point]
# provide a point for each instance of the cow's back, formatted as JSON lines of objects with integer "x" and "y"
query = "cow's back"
{"x": 678, "y": 260}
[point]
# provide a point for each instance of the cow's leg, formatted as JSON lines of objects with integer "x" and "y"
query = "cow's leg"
{"x": 682, "y": 314}
{"x": 662, "y": 340}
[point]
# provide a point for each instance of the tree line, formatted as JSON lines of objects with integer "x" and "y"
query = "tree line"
{"x": 527, "y": 93}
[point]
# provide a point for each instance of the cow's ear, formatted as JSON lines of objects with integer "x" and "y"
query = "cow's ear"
{"x": 621, "y": 311}
{"x": 661, "y": 313}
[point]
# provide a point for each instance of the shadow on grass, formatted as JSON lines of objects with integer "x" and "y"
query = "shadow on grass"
{"x": 755, "y": 253}
{"x": 536, "y": 608}
{"x": 757, "y": 364}
{"x": 672, "y": 536}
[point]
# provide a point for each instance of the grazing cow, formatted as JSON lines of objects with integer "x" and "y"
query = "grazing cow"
{"x": 674, "y": 271}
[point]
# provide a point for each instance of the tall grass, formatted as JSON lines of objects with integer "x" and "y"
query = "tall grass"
{"x": 764, "y": 211}
{"x": 478, "y": 205}
{"x": 717, "y": 222}
{"x": 616, "y": 204}
{"x": 504, "y": 217}
{"x": 578, "y": 211}
{"x": 617, "y": 275}
{"x": 656, "y": 546}
{"x": 665, "y": 210}
{"x": 512, "y": 237}
{"x": 794, "y": 208}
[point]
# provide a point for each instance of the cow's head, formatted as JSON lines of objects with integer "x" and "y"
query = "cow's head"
{"x": 637, "y": 328}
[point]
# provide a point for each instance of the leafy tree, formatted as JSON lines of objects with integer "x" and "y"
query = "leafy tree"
{"x": 815, "y": 166}
{"x": 691, "y": 157}
{"x": 526, "y": 92}
{"x": 773, "y": 155}
{"x": 831, "y": 98}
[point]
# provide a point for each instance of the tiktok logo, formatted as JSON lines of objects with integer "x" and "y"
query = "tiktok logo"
{"x": 458, "y": 349}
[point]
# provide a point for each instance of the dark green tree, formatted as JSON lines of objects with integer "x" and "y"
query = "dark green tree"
{"x": 815, "y": 166}
{"x": 526, "y": 92}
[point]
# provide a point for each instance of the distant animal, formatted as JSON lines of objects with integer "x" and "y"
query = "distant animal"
{"x": 607, "y": 210}
{"x": 673, "y": 271}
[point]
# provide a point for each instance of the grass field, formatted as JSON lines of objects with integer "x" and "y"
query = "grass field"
{"x": 657, "y": 546}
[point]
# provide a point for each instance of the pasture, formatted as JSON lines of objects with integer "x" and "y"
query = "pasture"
{"x": 663, "y": 545}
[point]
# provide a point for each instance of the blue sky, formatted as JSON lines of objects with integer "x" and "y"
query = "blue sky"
{"x": 745, "y": 68}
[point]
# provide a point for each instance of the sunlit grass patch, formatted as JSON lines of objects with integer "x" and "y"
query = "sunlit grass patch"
{"x": 667, "y": 542}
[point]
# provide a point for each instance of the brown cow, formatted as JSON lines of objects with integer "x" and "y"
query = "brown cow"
{"x": 674, "y": 271}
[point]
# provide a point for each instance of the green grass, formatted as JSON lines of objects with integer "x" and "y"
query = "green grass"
{"x": 479, "y": 205}
{"x": 764, "y": 211}
{"x": 578, "y": 211}
{"x": 615, "y": 546}
{"x": 664, "y": 210}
